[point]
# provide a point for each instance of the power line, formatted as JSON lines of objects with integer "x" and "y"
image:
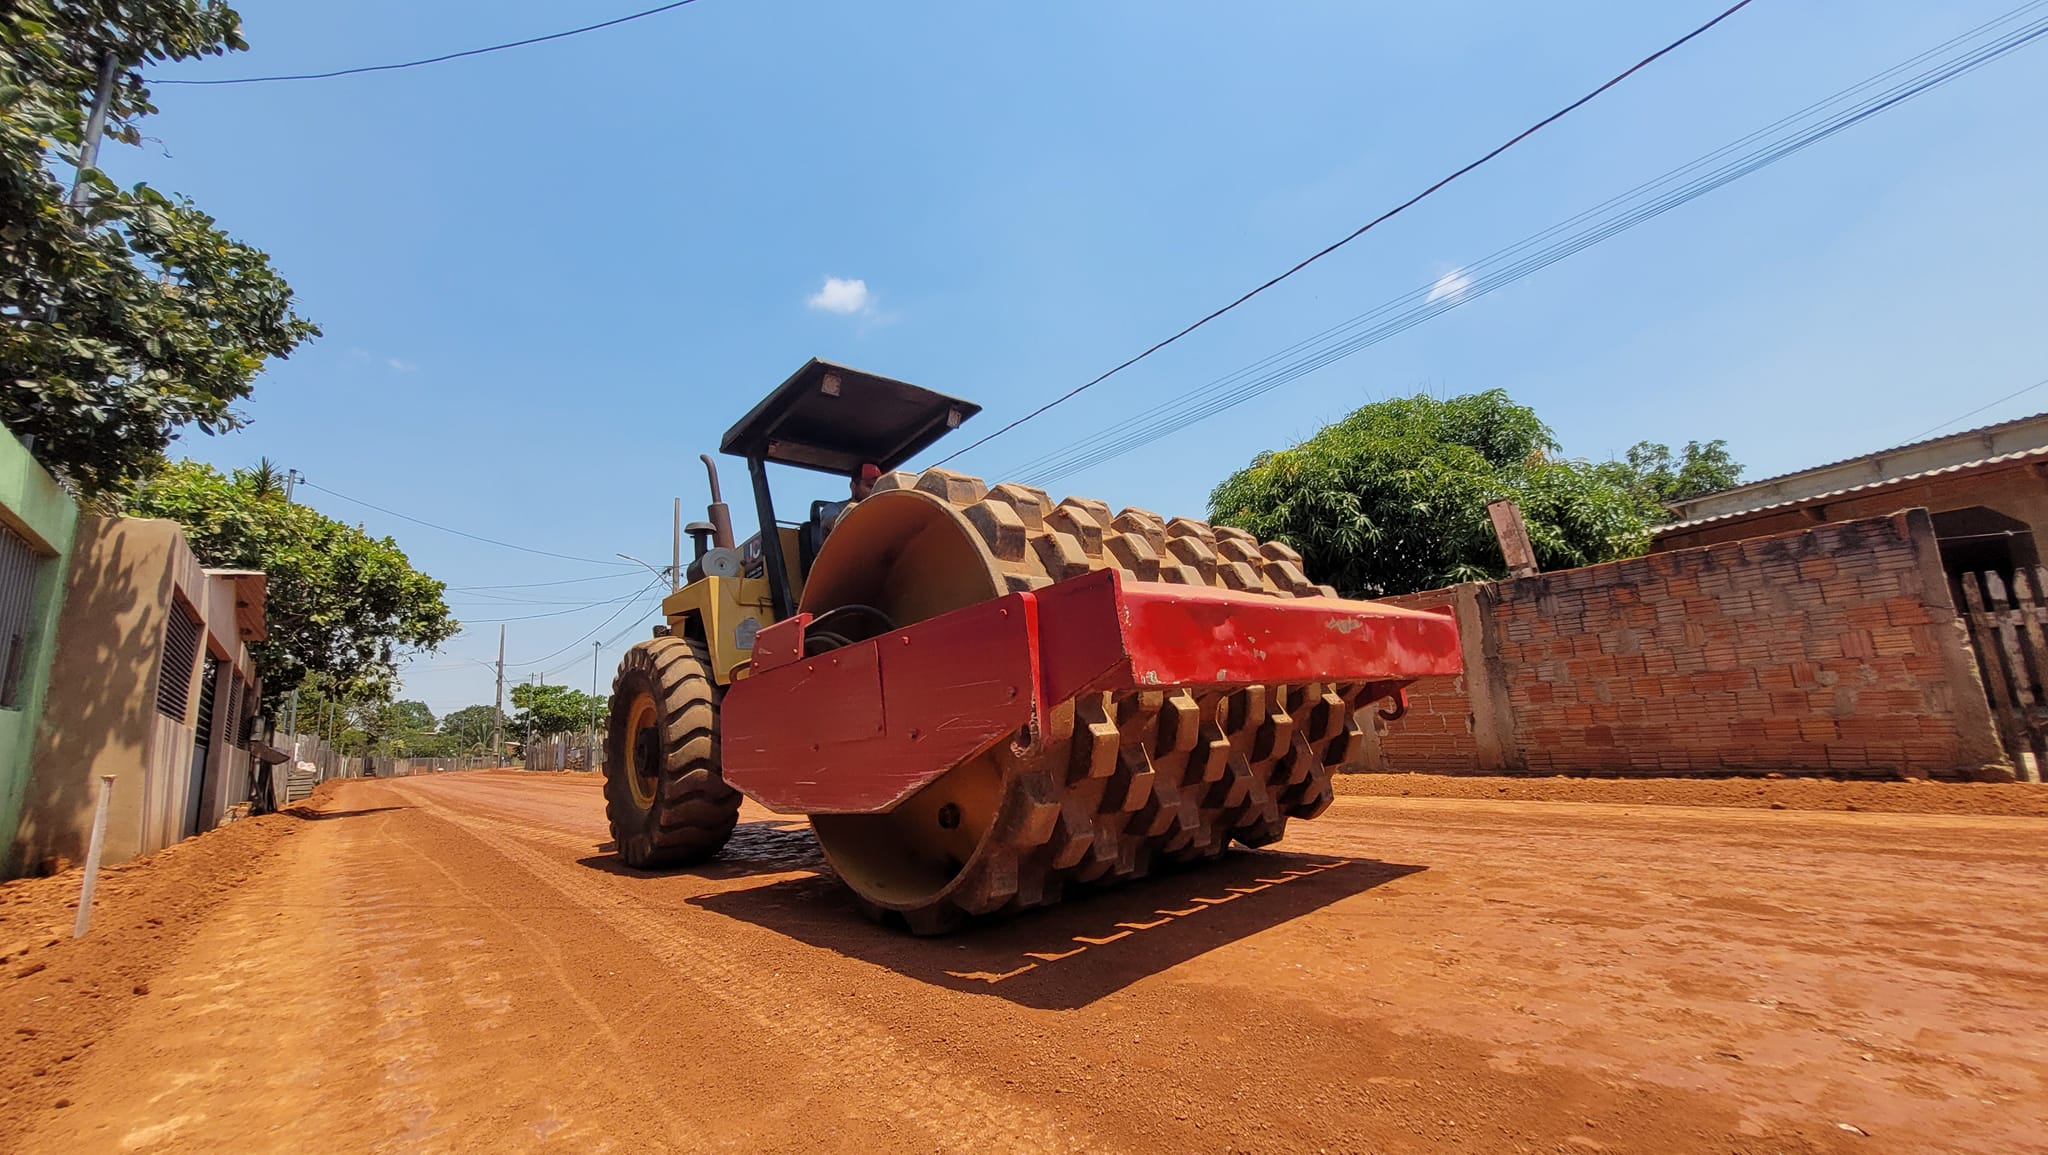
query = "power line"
{"x": 603, "y": 577}
{"x": 461, "y": 533}
{"x": 1979, "y": 409}
{"x": 592, "y": 632}
{"x": 627, "y": 600}
{"x": 1642, "y": 203}
{"x": 444, "y": 57}
{"x": 1361, "y": 230}
{"x": 608, "y": 643}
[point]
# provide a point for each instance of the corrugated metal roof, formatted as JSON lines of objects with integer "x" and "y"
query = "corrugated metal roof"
{"x": 1838, "y": 494}
{"x": 1980, "y": 431}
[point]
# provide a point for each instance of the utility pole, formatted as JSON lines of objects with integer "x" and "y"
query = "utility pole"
{"x": 95, "y": 127}
{"x": 498, "y": 710}
{"x": 675, "y": 568}
{"x": 89, "y": 150}
{"x": 528, "y": 756}
{"x": 590, "y": 747}
{"x": 291, "y": 478}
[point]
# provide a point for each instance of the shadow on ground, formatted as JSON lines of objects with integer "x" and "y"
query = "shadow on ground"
{"x": 308, "y": 814}
{"x": 773, "y": 846}
{"x": 1094, "y": 944}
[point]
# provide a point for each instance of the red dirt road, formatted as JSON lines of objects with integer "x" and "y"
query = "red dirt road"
{"x": 453, "y": 963}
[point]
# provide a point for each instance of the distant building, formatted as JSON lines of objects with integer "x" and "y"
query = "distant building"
{"x": 1987, "y": 490}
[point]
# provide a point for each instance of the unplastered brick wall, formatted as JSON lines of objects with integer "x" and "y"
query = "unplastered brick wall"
{"x": 1831, "y": 650}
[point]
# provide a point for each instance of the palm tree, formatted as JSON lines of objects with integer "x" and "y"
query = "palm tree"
{"x": 265, "y": 480}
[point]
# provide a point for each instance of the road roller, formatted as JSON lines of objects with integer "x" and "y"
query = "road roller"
{"x": 979, "y": 697}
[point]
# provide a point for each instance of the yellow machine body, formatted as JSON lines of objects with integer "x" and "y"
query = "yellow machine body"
{"x": 726, "y": 613}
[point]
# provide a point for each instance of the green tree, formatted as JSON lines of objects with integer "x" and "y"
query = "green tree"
{"x": 133, "y": 316}
{"x": 1393, "y": 498}
{"x": 409, "y": 728}
{"x": 548, "y": 710}
{"x": 1702, "y": 469}
{"x": 469, "y": 728}
{"x": 342, "y": 605}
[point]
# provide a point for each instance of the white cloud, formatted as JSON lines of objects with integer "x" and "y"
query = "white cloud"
{"x": 843, "y": 295}
{"x": 395, "y": 364}
{"x": 1452, "y": 285}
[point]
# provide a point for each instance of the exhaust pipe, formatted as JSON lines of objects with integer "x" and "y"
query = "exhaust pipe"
{"x": 718, "y": 513}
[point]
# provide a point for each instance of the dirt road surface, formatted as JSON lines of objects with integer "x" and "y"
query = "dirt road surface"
{"x": 458, "y": 963}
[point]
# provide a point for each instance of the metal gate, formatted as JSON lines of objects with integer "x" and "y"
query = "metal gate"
{"x": 2008, "y": 617}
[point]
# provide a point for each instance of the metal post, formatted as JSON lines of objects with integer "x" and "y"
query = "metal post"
{"x": 771, "y": 541}
{"x": 92, "y": 858}
{"x": 95, "y": 127}
{"x": 590, "y": 748}
{"x": 291, "y": 479}
{"x": 498, "y": 709}
{"x": 675, "y": 572}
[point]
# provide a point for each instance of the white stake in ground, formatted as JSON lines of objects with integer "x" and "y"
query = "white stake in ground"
{"x": 92, "y": 858}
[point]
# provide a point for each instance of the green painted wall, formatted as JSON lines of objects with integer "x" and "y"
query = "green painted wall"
{"x": 36, "y": 507}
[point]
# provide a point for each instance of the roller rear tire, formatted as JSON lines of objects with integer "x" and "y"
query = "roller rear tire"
{"x": 666, "y": 799}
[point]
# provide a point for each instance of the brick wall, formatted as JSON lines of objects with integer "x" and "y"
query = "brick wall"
{"x": 1829, "y": 650}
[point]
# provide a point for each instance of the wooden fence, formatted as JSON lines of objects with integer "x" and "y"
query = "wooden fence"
{"x": 2009, "y": 630}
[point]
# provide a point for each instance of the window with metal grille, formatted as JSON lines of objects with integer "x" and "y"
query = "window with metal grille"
{"x": 20, "y": 565}
{"x": 174, "y": 672}
{"x": 234, "y": 714}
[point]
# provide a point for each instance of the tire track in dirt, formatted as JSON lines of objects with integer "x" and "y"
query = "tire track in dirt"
{"x": 679, "y": 1124}
{"x": 956, "y": 1111}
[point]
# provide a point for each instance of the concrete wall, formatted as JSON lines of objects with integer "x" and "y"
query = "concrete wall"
{"x": 102, "y": 717}
{"x": 33, "y": 505}
{"x": 1833, "y": 650}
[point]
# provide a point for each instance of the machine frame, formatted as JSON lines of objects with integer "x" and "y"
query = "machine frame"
{"x": 826, "y": 417}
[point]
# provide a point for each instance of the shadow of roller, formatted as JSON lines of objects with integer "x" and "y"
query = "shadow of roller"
{"x": 1093, "y": 944}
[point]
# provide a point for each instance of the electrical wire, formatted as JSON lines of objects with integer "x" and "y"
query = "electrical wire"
{"x": 608, "y": 643}
{"x": 1361, "y": 230}
{"x": 592, "y": 632}
{"x": 1646, "y": 201}
{"x": 470, "y": 536}
{"x": 564, "y": 35}
{"x": 562, "y": 613}
{"x": 1972, "y": 413}
{"x": 603, "y": 577}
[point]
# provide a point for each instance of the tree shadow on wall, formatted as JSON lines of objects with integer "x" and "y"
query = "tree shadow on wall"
{"x": 1096, "y": 943}
{"x": 101, "y": 696}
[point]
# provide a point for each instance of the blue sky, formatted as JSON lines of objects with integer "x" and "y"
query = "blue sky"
{"x": 550, "y": 277}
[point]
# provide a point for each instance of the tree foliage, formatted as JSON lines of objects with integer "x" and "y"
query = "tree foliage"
{"x": 1393, "y": 498}
{"x": 469, "y": 729}
{"x": 548, "y": 710}
{"x": 1703, "y": 468}
{"x": 342, "y": 605}
{"x": 135, "y": 316}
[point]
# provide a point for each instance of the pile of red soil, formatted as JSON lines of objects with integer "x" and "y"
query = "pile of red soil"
{"x": 59, "y": 995}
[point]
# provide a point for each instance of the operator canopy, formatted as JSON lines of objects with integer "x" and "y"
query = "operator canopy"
{"x": 835, "y": 419}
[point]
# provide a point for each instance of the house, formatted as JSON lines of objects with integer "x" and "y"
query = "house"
{"x": 37, "y": 521}
{"x": 152, "y": 681}
{"x": 1986, "y": 489}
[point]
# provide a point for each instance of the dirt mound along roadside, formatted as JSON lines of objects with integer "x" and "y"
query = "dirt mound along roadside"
{"x": 59, "y": 995}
